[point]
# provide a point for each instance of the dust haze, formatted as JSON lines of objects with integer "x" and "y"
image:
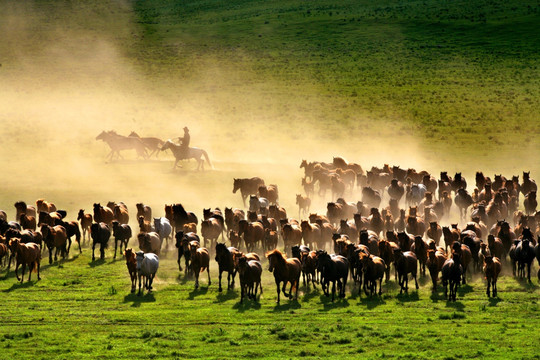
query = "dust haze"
{"x": 60, "y": 88}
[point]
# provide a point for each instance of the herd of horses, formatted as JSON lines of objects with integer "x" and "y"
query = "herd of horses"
{"x": 146, "y": 147}
{"x": 415, "y": 229}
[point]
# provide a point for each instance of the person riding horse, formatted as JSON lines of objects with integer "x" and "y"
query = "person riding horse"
{"x": 184, "y": 142}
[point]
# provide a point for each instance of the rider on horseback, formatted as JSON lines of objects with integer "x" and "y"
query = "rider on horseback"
{"x": 184, "y": 145}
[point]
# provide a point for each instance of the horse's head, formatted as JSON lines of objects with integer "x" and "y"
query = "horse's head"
{"x": 102, "y": 136}
{"x": 166, "y": 145}
{"x": 236, "y": 185}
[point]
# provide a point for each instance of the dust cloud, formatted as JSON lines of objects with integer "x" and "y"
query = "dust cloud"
{"x": 60, "y": 87}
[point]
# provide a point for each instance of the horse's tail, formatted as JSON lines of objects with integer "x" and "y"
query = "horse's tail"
{"x": 207, "y": 158}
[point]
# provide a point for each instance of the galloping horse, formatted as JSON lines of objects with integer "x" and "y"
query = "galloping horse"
{"x": 152, "y": 143}
{"x": 118, "y": 142}
{"x": 191, "y": 153}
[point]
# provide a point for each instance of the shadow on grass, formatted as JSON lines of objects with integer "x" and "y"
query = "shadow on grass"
{"x": 198, "y": 292}
{"x": 137, "y": 300}
{"x": 45, "y": 266}
{"x": 493, "y": 301}
{"x": 310, "y": 294}
{"x": 526, "y": 284}
{"x": 226, "y": 296}
{"x": 464, "y": 289}
{"x": 456, "y": 305}
{"x": 18, "y": 285}
{"x": 97, "y": 262}
{"x": 336, "y": 304}
{"x": 247, "y": 305}
{"x": 290, "y": 305}
{"x": 371, "y": 302}
{"x": 183, "y": 278}
{"x": 408, "y": 297}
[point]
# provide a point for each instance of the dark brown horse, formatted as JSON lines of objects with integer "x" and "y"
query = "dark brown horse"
{"x": 225, "y": 260}
{"x": 250, "y": 272}
{"x": 285, "y": 271}
{"x": 333, "y": 269}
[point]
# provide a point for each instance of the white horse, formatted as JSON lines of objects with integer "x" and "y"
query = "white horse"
{"x": 258, "y": 204}
{"x": 164, "y": 229}
{"x": 147, "y": 266}
{"x": 181, "y": 154}
{"x": 416, "y": 193}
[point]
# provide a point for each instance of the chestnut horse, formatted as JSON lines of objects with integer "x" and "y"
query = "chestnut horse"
{"x": 26, "y": 254}
{"x": 285, "y": 270}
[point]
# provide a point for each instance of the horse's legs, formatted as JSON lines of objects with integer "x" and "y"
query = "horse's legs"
{"x": 208, "y": 271}
{"x": 102, "y": 251}
{"x": 17, "y": 269}
{"x": 30, "y": 267}
{"x": 219, "y": 280}
{"x": 488, "y": 285}
{"x": 278, "y": 289}
{"x": 140, "y": 283}
{"x": 494, "y": 287}
{"x": 38, "y": 268}
{"x": 416, "y": 281}
{"x": 22, "y": 275}
{"x": 115, "y": 245}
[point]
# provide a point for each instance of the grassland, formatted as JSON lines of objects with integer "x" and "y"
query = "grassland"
{"x": 85, "y": 310}
{"x": 440, "y": 85}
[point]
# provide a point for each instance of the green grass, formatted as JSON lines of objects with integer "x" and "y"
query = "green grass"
{"x": 85, "y": 310}
{"x": 453, "y": 83}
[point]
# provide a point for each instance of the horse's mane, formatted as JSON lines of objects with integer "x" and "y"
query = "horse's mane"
{"x": 277, "y": 253}
{"x": 178, "y": 208}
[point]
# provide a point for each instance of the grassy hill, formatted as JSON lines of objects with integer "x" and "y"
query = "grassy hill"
{"x": 457, "y": 73}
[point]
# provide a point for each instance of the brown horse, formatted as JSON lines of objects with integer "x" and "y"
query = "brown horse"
{"x": 144, "y": 211}
{"x": 22, "y": 208}
{"x": 311, "y": 233}
{"x": 26, "y": 254}
{"x": 86, "y": 222}
{"x": 250, "y": 272}
{"x": 304, "y": 204}
{"x": 292, "y": 235}
{"x": 131, "y": 263}
{"x": 269, "y": 192}
{"x": 55, "y": 237}
{"x": 247, "y": 187}
{"x": 43, "y": 205}
{"x": 200, "y": 261}
{"x": 121, "y": 214}
{"x": 285, "y": 270}
{"x": 28, "y": 222}
{"x": 492, "y": 269}
{"x": 435, "y": 262}
{"x": 118, "y": 143}
{"x": 103, "y": 214}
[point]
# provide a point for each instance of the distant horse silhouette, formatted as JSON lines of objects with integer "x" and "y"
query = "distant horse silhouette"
{"x": 152, "y": 143}
{"x": 191, "y": 153}
{"x": 118, "y": 142}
